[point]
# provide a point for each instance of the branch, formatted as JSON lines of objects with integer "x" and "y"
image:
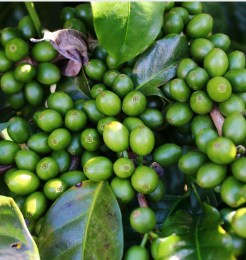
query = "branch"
{"x": 217, "y": 118}
{"x": 5, "y": 168}
{"x": 142, "y": 201}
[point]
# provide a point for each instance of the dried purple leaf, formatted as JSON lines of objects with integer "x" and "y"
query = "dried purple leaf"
{"x": 71, "y": 44}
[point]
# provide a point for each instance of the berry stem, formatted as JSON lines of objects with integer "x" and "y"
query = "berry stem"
{"x": 142, "y": 201}
{"x": 217, "y": 118}
{"x": 140, "y": 160}
{"x": 5, "y": 168}
{"x": 145, "y": 239}
{"x": 125, "y": 154}
{"x": 196, "y": 194}
{"x": 152, "y": 234}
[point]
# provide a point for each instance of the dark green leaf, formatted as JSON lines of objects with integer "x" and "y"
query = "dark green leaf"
{"x": 84, "y": 223}
{"x": 158, "y": 64}
{"x": 195, "y": 237}
{"x": 126, "y": 29}
{"x": 76, "y": 87}
{"x": 4, "y": 126}
{"x": 32, "y": 11}
{"x": 6, "y": 114}
{"x": 15, "y": 239}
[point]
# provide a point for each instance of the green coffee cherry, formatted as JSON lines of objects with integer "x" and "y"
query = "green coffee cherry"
{"x": 108, "y": 103}
{"x": 220, "y": 40}
{"x": 75, "y": 146}
{"x": 27, "y": 28}
{"x": 54, "y": 188}
{"x": 44, "y": 52}
{"x": 216, "y": 63}
{"x": 27, "y": 160}
{"x": 48, "y": 73}
{"x": 39, "y": 143}
{"x": 18, "y": 130}
{"x": 47, "y": 168}
{"x": 234, "y": 104}
{"x": 34, "y": 93}
{"x": 35, "y": 206}
{"x": 75, "y": 24}
{"x": 144, "y": 179}
{"x": 91, "y": 140}
{"x": 179, "y": 114}
{"x": 192, "y": 7}
{"x": 219, "y": 89}
{"x": 109, "y": 77}
{"x": 16, "y": 49}
{"x": 122, "y": 189}
{"x": 200, "y": 122}
{"x": 234, "y": 128}
{"x": 173, "y": 23}
{"x": 134, "y": 103}
{"x": 237, "y": 78}
{"x": 123, "y": 167}
{"x": 9, "y": 84}
{"x": 98, "y": 169}
{"x": 184, "y": 67}
{"x": 197, "y": 78}
{"x": 131, "y": 122}
{"x": 49, "y": 120}
{"x": 179, "y": 90}
{"x": 167, "y": 155}
{"x": 152, "y": 118}
{"x": 191, "y": 162}
{"x": 75, "y": 120}
{"x": 200, "y": 102}
{"x": 199, "y": 26}
{"x": 8, "y": 34}
{"x": 200, "y": 47}
{"x": 142, "y": 140}
{"x": 203, "y": 137}
{"x": 92, "y": 112}
{"x": 72, "y": 178}
{"x": 23, "y": 182}
{"x": 95, "y": 69}
{"x": 116, "y": 136}
{"x": 122, "y": 85}
{"x": 8, "y": 149}
{"x": 63, "y": 158}
{"x": 221, "y": 150}
{"x": 236, "y": 60}
{"x": 59, "y": 139}
{"x": 25, "y": 72}
{"x": 210, "y": 175}
{"x": 143, "y": 220}
{"x": 5, "y": 63}
{"x": 96, "y": 90}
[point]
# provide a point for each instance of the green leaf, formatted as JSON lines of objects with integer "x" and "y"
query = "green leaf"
{"x": 4, "y": 126}
{"x": 15, "y": 239}
{"x": 126, "y": 29}
{"x": 158, "y": 64}
{"x": 32, "y": 11}
{"x": 84, "y": 223}
{"x": 76, "y": 87}
{"x": 195, "y": 237}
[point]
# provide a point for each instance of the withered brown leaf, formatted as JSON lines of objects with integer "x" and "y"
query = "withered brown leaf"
{"x": 71, "y": 44}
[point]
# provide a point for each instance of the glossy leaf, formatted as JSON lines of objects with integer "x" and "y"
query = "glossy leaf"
{"x": 4, "y": 125}
{"x": 126, "y": 29}
{"x": 76, "y": 87}
{"x": 32, "y": 11}
{"x": 158, "y": 64}
{"x": 196, "y": 237}
{"x": 15, "y": 239}
{"x": 84, "y": 223}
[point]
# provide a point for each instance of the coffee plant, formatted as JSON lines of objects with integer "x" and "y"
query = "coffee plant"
{"x": 123, "y": 135}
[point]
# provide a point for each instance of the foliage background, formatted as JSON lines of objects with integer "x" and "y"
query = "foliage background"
{"x": 229, "y": 17}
